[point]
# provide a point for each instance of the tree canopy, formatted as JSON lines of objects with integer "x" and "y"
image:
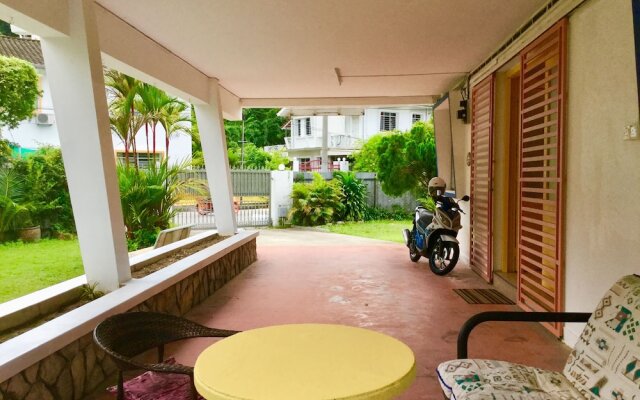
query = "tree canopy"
{"x": 262, "y": 127}
{"x": 18, "y": 91}
{"x": 366, "y": 159}
{"x": 404, "y": 161}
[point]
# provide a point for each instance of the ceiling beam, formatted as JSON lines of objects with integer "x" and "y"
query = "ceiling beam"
{"x": 124, "y": 48}
{"x": 337, "y": 101}
{"x": 47, "y": 18}
{"x": 133, "y": 53}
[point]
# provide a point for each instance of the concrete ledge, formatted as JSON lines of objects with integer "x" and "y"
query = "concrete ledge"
{"x": 38, "y": 304}
{"x": 21, "y": 352}
{"x": 149, "y": 257}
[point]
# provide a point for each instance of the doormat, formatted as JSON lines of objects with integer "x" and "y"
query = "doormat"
{"x": 157, "y": 386}
{"x": 483, "y": 296}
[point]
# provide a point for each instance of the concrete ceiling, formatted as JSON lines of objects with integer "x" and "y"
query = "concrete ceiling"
{"x": 289, "y": 49}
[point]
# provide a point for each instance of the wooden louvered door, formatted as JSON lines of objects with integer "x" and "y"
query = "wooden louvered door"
{"x": 541, "y": 173}
{"x": 481, "y": 177}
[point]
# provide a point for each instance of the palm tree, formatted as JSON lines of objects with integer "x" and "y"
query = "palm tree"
{"x": 125, "y": 125}
{"x": 174, "y": 118}
{"x": 152, "y": 101}
{"x": 122, "y": 93}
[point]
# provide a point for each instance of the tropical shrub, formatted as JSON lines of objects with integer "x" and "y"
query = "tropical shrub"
{"x": 148, "y": 197}
{"x": 428, "y": 203}
{"x": 47, "y": 190}
{"x": 316, "y": 203}
{"x": 354, "y": 196}
{"x": 14, "y": 212}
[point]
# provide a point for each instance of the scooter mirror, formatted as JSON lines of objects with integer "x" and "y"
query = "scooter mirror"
{"x": 464, "y": 198}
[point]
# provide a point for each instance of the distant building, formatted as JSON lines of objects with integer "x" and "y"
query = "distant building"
{"x": 346, "y": 130}
{"x": 41, "y": 129}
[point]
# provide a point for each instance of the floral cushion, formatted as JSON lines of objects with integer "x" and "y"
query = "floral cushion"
{"x": 605, "y": 363}
{"x": 489, "y": 379}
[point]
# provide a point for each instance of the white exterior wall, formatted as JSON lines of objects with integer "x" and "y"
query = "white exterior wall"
{"x": 603, "y": 170}
{"x": 30, "y": 135}
{"x": 403, "y": 121}
{"x": 179, "y": 148}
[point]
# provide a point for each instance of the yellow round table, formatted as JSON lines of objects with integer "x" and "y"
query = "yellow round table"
{"x": 305, "y": 362}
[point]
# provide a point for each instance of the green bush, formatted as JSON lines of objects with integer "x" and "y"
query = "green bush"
{"x": 47, "y": 190}
{"x": 18, "y": 91}
{"x": 14, "y": 211}
{"x": 316, "y": 203}
{"x": 354, "y": 196}
{"x": 396, "y": 213}
{"x": 298, "y": 177}
{"x": 428, "y": 203}
{"x": 148, "y": 197}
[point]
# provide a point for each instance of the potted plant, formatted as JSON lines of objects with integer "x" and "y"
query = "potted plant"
{"x": 27, "y": 230}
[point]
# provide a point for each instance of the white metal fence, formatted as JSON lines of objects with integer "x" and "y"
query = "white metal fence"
{"x": 251, "y": 194}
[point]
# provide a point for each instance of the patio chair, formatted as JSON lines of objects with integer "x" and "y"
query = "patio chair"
{"x": 605, "y": 363}
{"x": 124, "y": 336}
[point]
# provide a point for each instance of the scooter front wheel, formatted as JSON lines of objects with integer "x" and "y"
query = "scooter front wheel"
{"x": 414, "y": 254}
{"x": 443, "y": 257}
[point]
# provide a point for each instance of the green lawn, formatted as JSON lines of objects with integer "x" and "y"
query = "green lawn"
{"x": 383, "y": 230}
{"x": 27, "y": 267}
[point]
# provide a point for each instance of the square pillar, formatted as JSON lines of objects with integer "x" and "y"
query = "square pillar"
{"x": 216, "y": 160}
{"x": 324, "y": 153}
{"x": 74, "y": 69}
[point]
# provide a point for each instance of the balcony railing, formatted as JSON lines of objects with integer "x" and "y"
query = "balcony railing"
{"x": 316, "y": 166}
{"x": 336, "y": 141}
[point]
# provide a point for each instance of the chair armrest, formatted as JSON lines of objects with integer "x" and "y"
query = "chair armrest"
{"x": 513, "y": 316}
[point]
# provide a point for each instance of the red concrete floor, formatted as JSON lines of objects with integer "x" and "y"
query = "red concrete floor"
{"x": 304, "y": 276}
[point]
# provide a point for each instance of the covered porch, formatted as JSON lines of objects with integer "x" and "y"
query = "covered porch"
{"x": 226, "y": 56}
{"x": 306, "y": 276}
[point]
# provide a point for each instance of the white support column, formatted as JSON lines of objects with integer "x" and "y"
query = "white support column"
{"x": 216, "y": 159}
{"x": 74, "y": 69}
{"x": 325, "y": 144}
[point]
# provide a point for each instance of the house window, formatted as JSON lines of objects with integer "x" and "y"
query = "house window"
{"x": 307, "y": 126}
{"x": 303, "y": 125}
{"x": 415, "y": 118}
{"x": 387, "y": 121}
{"x": 142, "y": 160}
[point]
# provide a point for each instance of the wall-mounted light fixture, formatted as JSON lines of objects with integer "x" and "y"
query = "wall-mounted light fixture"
{"x": 463, "y": 110}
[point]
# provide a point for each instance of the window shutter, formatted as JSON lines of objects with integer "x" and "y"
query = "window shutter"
{"x": 541, "y": 173}
{"x": 482, "y": 98}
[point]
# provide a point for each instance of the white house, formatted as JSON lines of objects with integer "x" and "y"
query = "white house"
{"x": 346, "y": 130}
{"x": 42, "y": 130}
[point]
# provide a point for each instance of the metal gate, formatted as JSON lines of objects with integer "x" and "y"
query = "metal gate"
{"x": 251, "y": 198}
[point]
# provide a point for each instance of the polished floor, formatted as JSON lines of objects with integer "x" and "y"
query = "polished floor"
{"x": 308, "y": 276}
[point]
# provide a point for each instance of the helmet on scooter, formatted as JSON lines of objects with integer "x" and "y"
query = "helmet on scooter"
{"x": 437, "y": 187}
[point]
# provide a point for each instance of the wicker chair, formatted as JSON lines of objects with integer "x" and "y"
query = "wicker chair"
{"x": 124, "y": 336}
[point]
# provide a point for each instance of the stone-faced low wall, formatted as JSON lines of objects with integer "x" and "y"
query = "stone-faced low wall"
{"x": 81, "y": 368}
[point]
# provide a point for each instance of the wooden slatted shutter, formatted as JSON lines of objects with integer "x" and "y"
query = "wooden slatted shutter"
{"x": 481, "y": 177}
{"x": 541, "y": 173}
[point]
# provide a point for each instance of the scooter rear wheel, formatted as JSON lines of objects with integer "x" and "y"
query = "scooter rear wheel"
{"x": 443, "y": 257}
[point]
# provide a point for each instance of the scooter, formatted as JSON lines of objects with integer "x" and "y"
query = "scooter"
{"x": 434, "y": 236}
